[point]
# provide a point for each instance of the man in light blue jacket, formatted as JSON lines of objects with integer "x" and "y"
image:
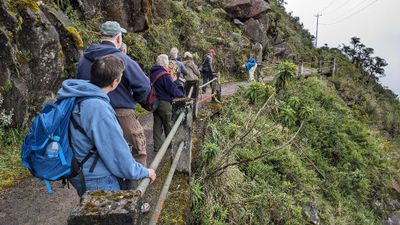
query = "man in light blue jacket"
{"x": 101, "y": 130}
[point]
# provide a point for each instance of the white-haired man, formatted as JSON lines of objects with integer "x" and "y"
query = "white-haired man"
{"x": 166, "y": 91}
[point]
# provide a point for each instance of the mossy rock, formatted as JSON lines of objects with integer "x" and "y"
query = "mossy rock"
{"x": 77, "y": 37}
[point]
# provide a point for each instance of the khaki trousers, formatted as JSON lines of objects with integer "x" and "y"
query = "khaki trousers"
{"x": 133, "y": 134}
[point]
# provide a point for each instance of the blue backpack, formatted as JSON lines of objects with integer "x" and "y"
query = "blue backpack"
{"x": 52, "y": 124}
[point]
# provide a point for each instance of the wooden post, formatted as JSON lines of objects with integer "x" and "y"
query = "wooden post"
{"x": 184, "y": 133}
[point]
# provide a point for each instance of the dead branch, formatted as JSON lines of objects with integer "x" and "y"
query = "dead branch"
{"x": 220, "y": 170}
{"x": 238, "y": 141}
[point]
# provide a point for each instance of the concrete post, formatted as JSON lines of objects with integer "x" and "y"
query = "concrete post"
{"x": 184, "y": 133}
{"x": 195, "y": 94}
{"x": 108, "y": 207}
{"x": 332, "y": 67}
{"x": 320, "y": 65}
{"x": 301, "y": 67}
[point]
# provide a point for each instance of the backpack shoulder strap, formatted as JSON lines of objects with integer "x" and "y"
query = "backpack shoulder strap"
{"x": 163, "y": 73}
{"x": 92, "y": 151}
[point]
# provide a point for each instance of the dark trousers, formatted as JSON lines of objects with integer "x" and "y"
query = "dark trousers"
{"x": 162, "y": 123}
{"x": 207, "y": 76}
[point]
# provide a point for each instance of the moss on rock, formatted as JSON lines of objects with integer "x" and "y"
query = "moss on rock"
{"x": 31, "y": 4}
{"x": 75, "y": 34}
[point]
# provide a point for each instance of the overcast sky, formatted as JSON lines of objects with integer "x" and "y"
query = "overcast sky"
{"x": 376, "y": 22}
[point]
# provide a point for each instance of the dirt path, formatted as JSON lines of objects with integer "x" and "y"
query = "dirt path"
{"x": 28, "y": 203}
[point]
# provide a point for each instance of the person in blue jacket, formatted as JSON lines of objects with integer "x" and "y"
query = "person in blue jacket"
{"x": 166, "y": 91}
{"x": 251, "y": 66}
{"x": 134, "y": 87}
{"x": 95, "y": 115}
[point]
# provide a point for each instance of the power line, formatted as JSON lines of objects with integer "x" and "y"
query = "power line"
{"x": 337, "y": 8}
{"x": 327, "y": 6}
{"x": 350, "y": 10}
{"x": 355, "y": 7}
{"x": 353, "y": 14}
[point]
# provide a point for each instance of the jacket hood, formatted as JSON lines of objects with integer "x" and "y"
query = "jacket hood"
{"x": 80, "y": 88}
{"x": 97, "y": 50}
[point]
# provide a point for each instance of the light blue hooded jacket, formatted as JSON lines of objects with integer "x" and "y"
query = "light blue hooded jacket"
{"x": 97, "y": 118}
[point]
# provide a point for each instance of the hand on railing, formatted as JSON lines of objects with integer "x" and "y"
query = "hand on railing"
{"x": 152, "y": 175}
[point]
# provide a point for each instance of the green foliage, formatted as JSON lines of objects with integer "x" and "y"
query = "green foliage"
{"x": 369, "y": 101}
{"x": 288, "y": 116}
{"x": 361, "y": 56}
{"x": 208, "y": 153}
{"x": 337, "y": 164}
{"x": 11, "y": 168}
{"x": 197, "y": 194}
{"x": 85, "y": 32}
{"x": 256, "y": 92}
{"x": 286, "y": 71}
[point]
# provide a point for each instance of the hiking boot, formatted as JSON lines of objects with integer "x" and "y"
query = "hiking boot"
{"x": 145, "y": 207}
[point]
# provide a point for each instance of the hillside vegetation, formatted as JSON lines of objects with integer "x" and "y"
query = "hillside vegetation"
{"x": 320, "y": 150}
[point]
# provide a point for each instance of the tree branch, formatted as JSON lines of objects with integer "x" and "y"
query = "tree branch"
{"x": 220, "y": 170}
{"x": 226, "y": 152}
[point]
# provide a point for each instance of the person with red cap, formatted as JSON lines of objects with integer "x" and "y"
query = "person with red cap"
{"x": 207, "y": 70}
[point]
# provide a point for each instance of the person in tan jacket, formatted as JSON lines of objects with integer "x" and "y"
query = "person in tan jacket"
{"x": 192, "y": 68}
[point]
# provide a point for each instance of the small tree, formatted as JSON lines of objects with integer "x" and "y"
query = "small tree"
{"x": 286, "y": 71}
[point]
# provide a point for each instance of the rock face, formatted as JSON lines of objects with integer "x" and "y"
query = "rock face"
{"x": 134, "y": 15}
{"x": 253, "y": 17}
{"x": 245, "y": 9}
{"x": 256, "y": 31}
{"x": 38, "y": 45}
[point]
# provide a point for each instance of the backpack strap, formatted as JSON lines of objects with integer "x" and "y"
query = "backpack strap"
{"x": 92, "y": 151}
{"x": 158, "y": 77}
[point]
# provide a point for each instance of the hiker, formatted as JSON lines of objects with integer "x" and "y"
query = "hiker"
{"x": 166, "y": 91}
{"x": 251, "y": 66}
{"x": 173, "y": 54}
{"x": 124, "y": 48}
{"x": 134, "y": 87}
{"x": 181, "y": 71}
{"x": 207, "y": 70}
{"x": 193, "y": 70}
{"x": 96, "y": 117}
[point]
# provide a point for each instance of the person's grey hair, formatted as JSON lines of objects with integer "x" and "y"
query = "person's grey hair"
{"x": 108, "y": 38}
{"x": 174, "y": 52}
{"x": 188, "y": 55}
{"x": 162, "y": 60}
{"x": 124, "y": 48}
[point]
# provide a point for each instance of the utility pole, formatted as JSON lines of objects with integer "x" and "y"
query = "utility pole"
{"x": 316, "y": 33}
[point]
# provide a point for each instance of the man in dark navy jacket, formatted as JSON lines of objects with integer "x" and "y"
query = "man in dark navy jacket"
{"x": 134, "y": 87}
{"x": 166, "y": 90}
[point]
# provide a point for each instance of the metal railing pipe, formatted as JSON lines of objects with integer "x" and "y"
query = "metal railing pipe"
{"x": 161, "y": 152}
{"x": 190, "y": 92}
{"x": 209, "y": 82}
{"x": 164, "y": 191}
